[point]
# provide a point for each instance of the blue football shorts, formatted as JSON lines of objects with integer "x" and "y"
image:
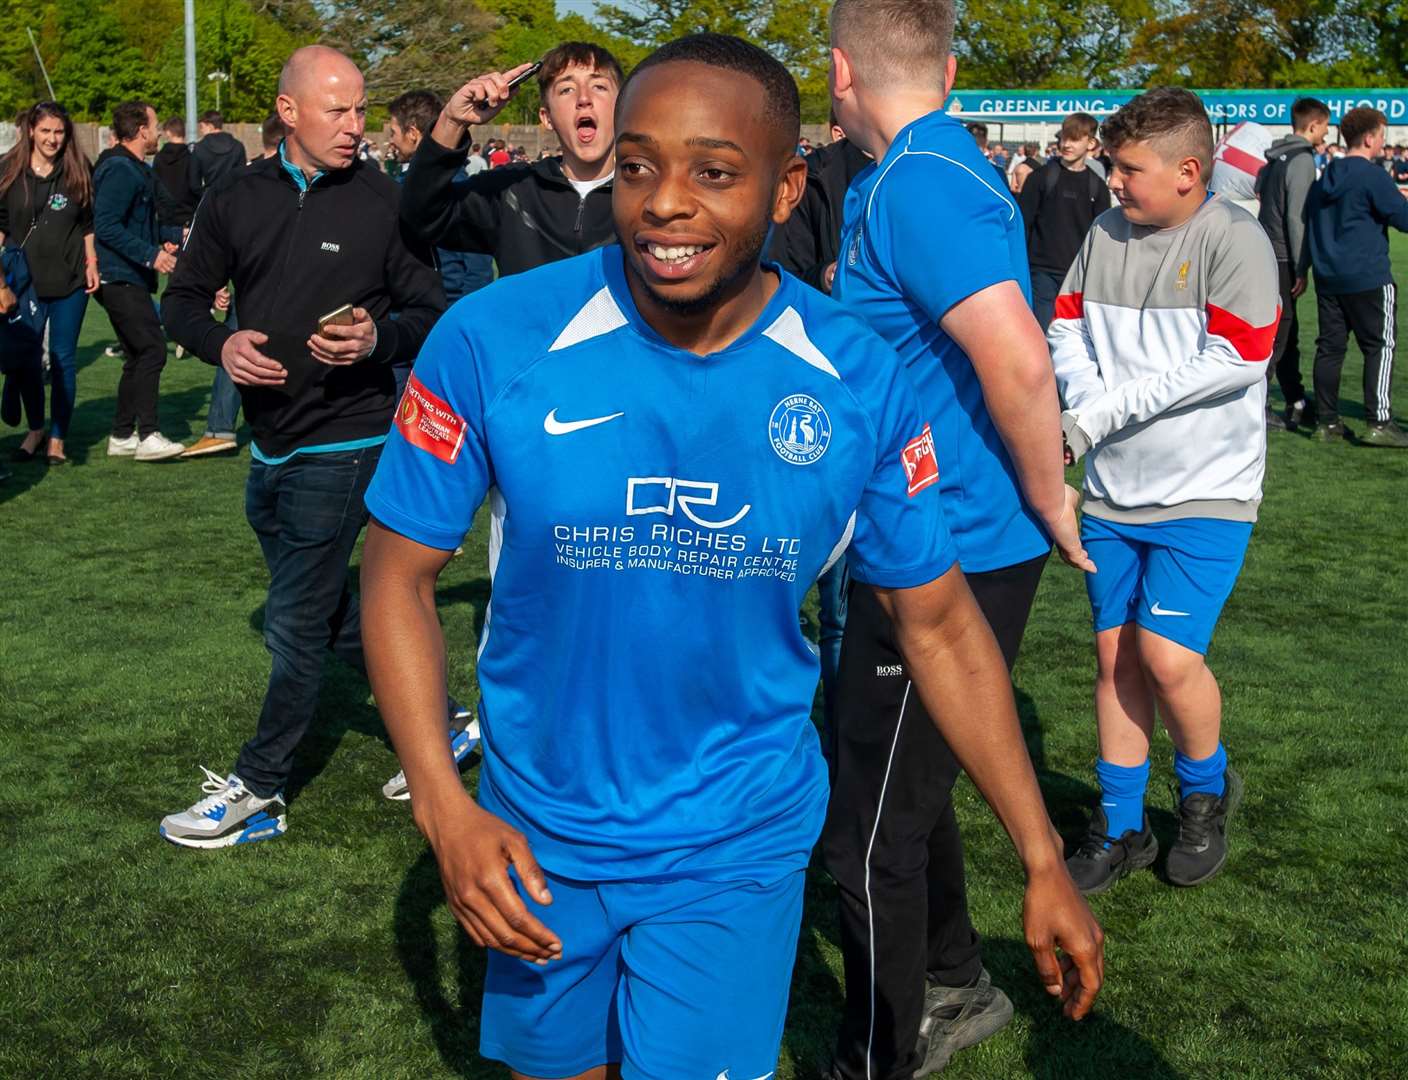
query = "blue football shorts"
{"x": 1170, "y": 577}
{"x": 676, "y": 980}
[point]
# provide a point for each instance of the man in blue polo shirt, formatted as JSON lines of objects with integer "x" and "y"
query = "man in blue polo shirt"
{"x": 933, "y": 257}
{"x": 676, "y": 441}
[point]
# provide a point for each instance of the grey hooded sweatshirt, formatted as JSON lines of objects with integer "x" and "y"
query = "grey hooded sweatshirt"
{"x": 1282, "y": 187}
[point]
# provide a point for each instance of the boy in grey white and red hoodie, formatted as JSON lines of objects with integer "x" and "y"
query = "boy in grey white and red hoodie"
{"x": 1163, "y": 329}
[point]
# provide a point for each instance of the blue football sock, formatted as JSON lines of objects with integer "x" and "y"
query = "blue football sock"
{"x": 1122, "y": 795}
{"x": 1205, "y": 775}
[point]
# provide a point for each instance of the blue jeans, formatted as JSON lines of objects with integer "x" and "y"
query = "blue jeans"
{"x": 224, "y": 415}
{"x": 65, "y": 318}
{"x": 1046, "y": 286}
{"x": 307, "y": 514}
{"x": 463, "y": 272}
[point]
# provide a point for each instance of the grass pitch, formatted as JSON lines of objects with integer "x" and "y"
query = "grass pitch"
{"x": 130, "y": 653}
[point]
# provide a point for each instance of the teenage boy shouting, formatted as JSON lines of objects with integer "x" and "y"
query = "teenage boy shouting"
{"x": 530, "y": 214}
{"x": 1059, "y": 203}
{"x": 1162, "y": 331}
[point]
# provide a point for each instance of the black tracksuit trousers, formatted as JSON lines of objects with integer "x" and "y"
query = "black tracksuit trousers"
{"x": 1285, "y": 353}
{"x": 1371, "y": 316}
{"x": 891, "y": 839}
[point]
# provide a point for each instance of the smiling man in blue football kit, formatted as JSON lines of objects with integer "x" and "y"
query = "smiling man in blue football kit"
{"x": 674, "y": 440}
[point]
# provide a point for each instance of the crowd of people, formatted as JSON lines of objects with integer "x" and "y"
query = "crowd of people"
{"x": 675, "y": 439}
{"x": 492, "y": 154}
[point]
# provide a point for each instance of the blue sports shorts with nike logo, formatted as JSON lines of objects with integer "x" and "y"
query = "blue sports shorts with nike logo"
{"x": 677, "y": 980}
{"x": 1170, "y": 577}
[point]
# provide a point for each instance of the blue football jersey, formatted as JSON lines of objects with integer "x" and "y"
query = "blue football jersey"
{"x": 658, "y": 517}
{"x": 927, "y": 227}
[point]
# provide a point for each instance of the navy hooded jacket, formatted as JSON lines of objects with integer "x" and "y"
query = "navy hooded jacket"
{"x": 1348, "y": 213}
{"x": 125, "y": 220}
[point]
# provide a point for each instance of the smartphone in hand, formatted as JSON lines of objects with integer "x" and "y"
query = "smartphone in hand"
{"x": 337, "y": 317}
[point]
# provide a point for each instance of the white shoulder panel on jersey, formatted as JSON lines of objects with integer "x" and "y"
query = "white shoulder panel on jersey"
{"x": 841, "y": 545}
{"x": 789, "y": 332}
{"x": 498, "y": 514}
{"x": 600, "y": 315}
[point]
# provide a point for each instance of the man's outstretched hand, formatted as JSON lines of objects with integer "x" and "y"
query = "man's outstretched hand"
{"x": 1057, "y": 921}
{"x": 474, "y": 850}
{"x": 476, "y": 102}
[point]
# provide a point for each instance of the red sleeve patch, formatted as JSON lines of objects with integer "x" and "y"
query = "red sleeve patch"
{"x": 1070, "y": 305}
{"x": 428, "y": 423}
{"x": 921, "y": 466}
{"x": 1253, "y": 343}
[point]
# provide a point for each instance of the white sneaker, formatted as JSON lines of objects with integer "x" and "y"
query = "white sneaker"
{"x": 157, "y": 447}
{"x": 463, "y": 741}
{"x": 122, "y": 447}
{"x": 229, "y": 814}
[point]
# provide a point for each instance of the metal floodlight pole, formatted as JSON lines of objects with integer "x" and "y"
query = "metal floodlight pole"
{"x": 42, "y": 69}
{"x": 191, "y": 105}
{"x": 217, "y": 77}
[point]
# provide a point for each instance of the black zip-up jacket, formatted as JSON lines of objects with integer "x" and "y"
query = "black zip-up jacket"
{"x": 522, "y": 215}
{"x": 175, "y": 201}
{"x": 124, "y": 219}
{"x": 38, "y": 213}
{"x": 292, "y": 256}
{"x": 810, "y": 240}
{"x": 215, "y": 157}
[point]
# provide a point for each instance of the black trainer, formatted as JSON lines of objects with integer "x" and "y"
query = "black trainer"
{"x": 1201, "y": 848}
{"x": 1333, "y": 432}
{"x": 956, "y": 1017}
{"x": 1384, "y": 433}
{"x": 1300, "y": 414}
{"x": 1101, "y": 860}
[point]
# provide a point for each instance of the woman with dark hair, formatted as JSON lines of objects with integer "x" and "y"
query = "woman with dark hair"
{"x": 46, "y": 208}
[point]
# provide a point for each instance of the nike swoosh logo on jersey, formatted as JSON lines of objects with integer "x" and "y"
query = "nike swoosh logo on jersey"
{"x": 553, "y": 426}
{"x": 724, "y": 1076}
{"x": 1155, "y": 609}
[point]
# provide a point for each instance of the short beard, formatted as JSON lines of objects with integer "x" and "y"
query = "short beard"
{"x": 748, "y": 257}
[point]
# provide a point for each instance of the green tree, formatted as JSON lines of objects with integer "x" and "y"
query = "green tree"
{"x": 523, "y": 30}
{"x": 409, "y": 44}
{"x": 102, "y": 52}
{"x": 1375, "y": 34}
{"x": 1030, "y": 44}
{"x": 1237, "y": 43}
{"x": 91, "y": 61}
{"x": 298, "y": 17}
{"x": 795, "y": 31}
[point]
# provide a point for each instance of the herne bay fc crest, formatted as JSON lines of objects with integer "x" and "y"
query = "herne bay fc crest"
{"x": 800, "y": 430}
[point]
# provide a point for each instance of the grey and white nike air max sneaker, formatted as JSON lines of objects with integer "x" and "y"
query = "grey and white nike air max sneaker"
{"x": 229, "y": 814}
{"x": 463, "y": 740}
